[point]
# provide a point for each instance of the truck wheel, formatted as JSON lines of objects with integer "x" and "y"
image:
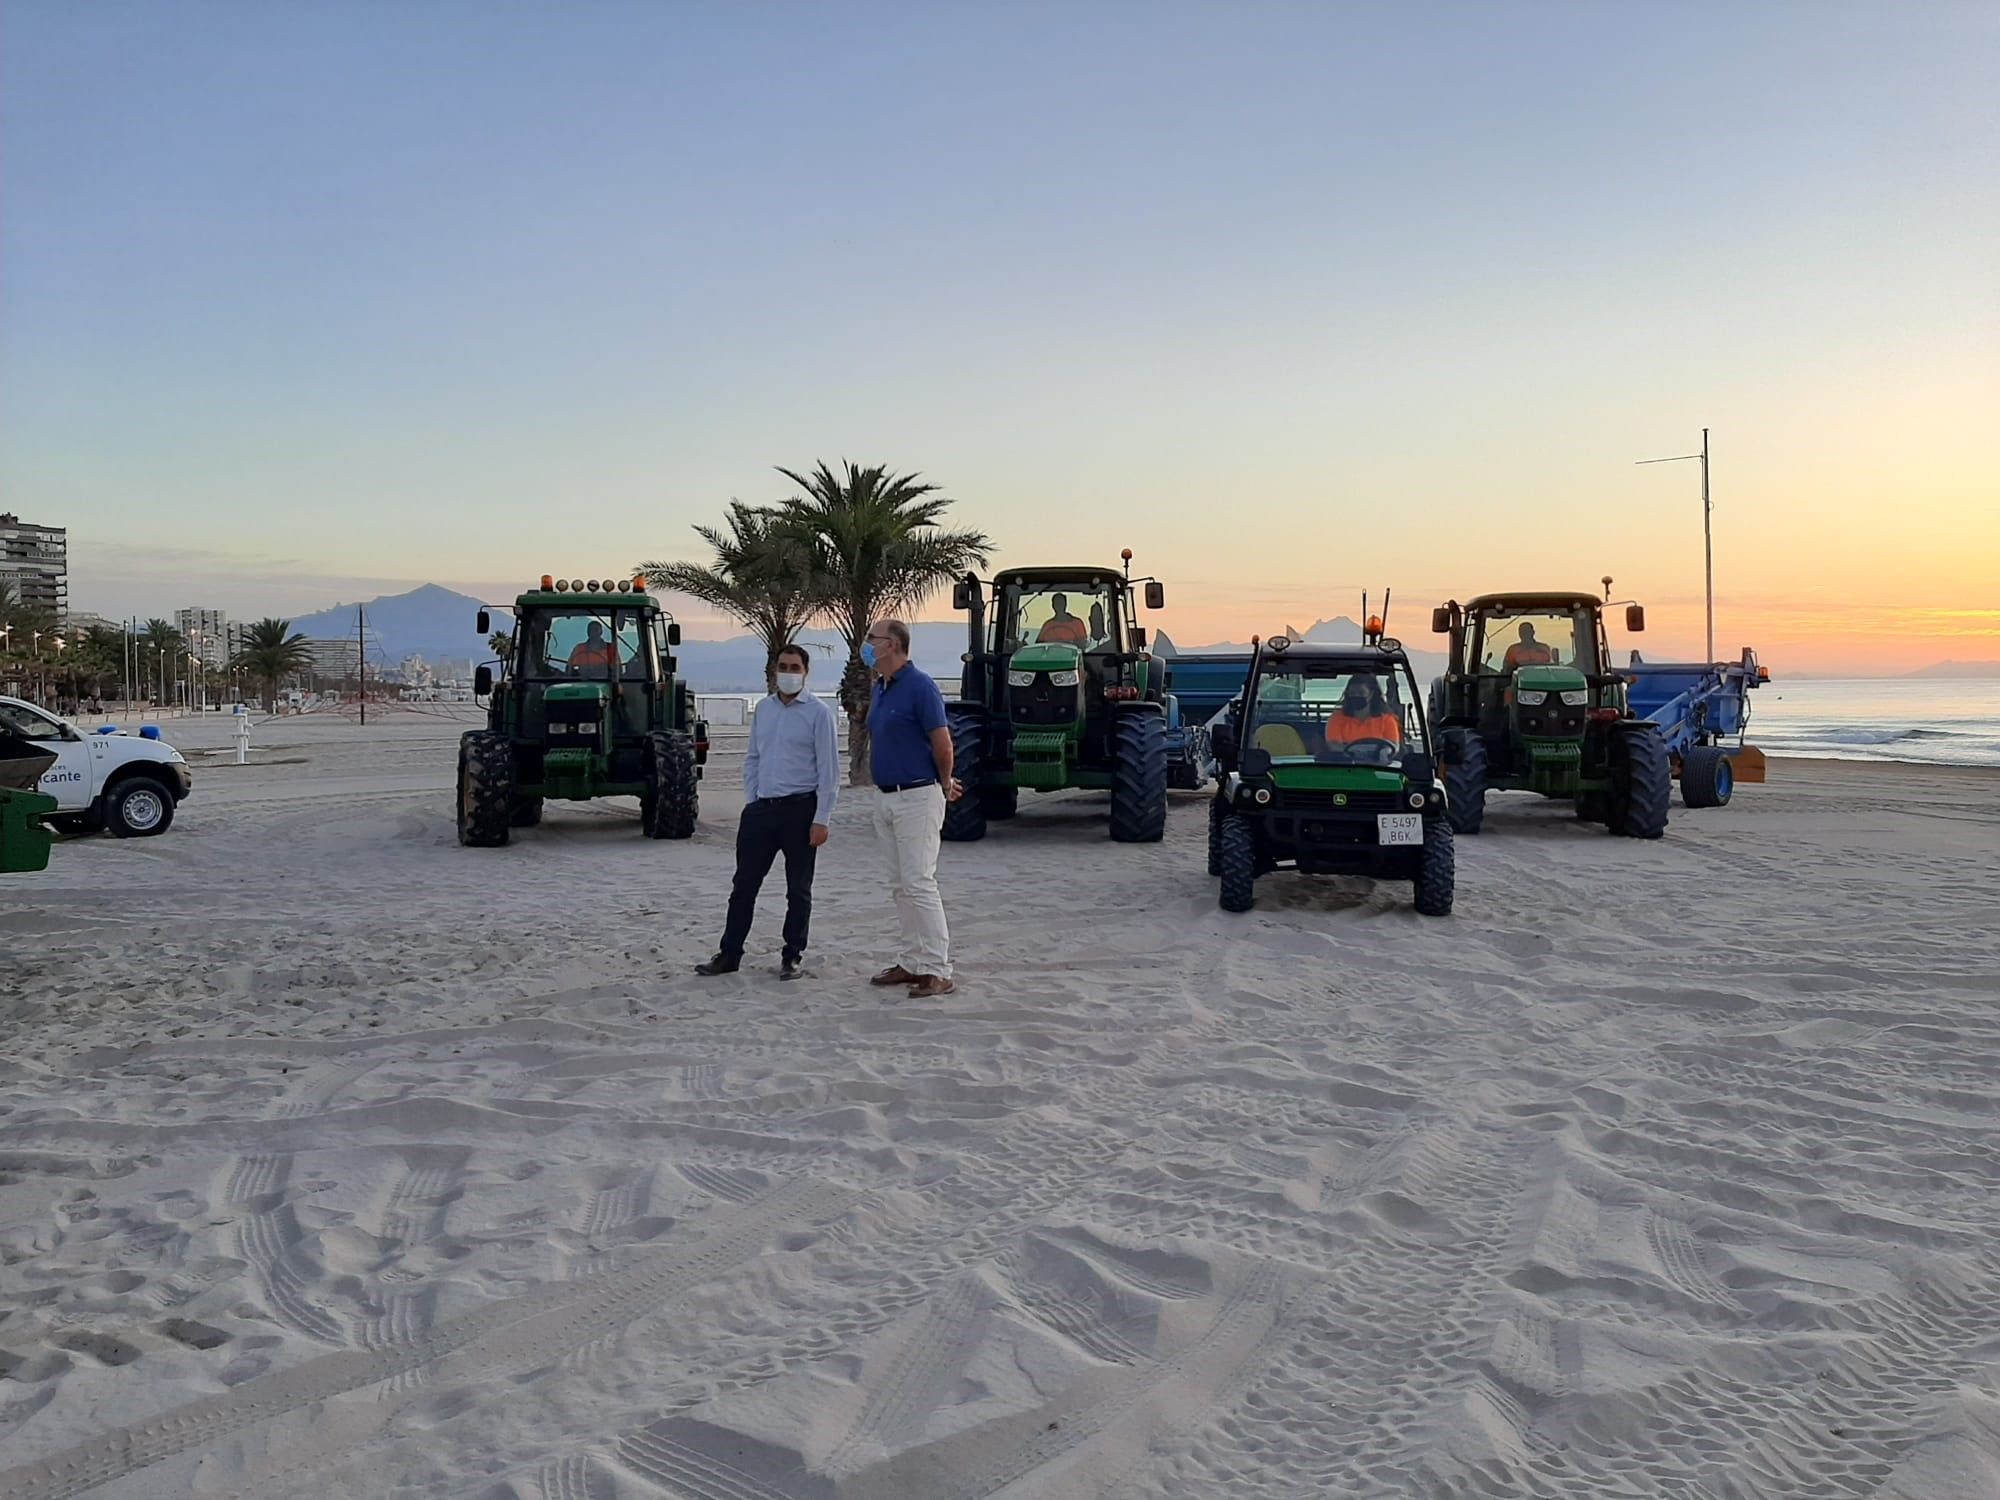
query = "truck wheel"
{"x": 1437, "y": 874}
{"x": 527, "y": 813}
{"x": 999, "y": 803}
{"x": 1239, "y": 864}
{"x": 1139, "y": 776}
{"x": 485, "y": 788}
{"x": 138, "y": 808}
{"x": 1217, "y": 811}
{"x": 965, "y": 819}
{"x": 1707, "y": 778}
{"x": 671, "y": 803}
{"x": 1642, "y": 781}
{"x": 1465, "y": 780}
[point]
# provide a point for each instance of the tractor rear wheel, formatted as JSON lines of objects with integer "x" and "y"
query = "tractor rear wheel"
{"x": 1642, "y": 781}
{"x": 1707, "y": 778}
{"x": 1437, "y": 875}
{"x": 671, "y": 803}
{"x": 1239, "y": 864}
{"x": 527, "y": 812}
{"x": 1139, "y": 775}
{"x": 1465, "y": 779}
{"x": 485, "y": 788}
{"x": 1217, "y": 811}
{"x": 965, "y": 819}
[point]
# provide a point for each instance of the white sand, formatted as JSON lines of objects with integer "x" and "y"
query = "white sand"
{"x": 336, "y": 1160}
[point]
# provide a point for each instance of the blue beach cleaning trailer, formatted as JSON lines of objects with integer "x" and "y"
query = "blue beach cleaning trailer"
{"x": 1701, "y": 707}
{"x": 1200, "y": 685}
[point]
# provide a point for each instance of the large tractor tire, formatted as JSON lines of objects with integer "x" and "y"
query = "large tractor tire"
{"x": 1707, "y": 778}
{"x": 1217, "y": 811}
{"x": 671, "y": 803}
{"x": 965, "y": 819}
{"x": 1437, "y": 875}
{"x": 1139, "y": 784}
{"x": 527, "y": 813}
{"x": 485, "y": 788}
{"x": 1465, "y": 780}
{"x": 1642, "y": 781}
{"x": 1239, "y": 864}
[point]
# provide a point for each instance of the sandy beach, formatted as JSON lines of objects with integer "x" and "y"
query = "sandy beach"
{"x": 337, "y": 1160}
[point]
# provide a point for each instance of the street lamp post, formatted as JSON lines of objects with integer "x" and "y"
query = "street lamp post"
{"x": 1707, "y": 536}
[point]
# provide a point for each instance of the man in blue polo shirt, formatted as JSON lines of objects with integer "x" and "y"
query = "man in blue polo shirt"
{"x": 911, "y": 750}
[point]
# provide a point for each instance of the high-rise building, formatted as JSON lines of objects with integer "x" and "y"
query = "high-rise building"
{"x": 210, "y": 634}
{"x": 340, "y": 658}
{"x": 34, "y": 563}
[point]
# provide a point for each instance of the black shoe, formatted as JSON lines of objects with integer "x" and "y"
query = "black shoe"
{"x": 790, "y": 969}
{"x": 722, "y": 963}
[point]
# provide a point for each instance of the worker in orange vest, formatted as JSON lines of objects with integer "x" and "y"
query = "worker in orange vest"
{"x": 1527, "y": 651}
{"x": 1364, "y": 714}
{"x": 1064, "y": 628}
{"x": 594, "y": 650}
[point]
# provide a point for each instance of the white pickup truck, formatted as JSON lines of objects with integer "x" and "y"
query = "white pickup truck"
{"x": 123, "y": 782}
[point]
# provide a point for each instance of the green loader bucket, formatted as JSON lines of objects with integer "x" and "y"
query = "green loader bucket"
{"x": 24, "y": 838}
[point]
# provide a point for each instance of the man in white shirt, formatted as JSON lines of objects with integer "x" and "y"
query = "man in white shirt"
{"x": 791, "y": 779}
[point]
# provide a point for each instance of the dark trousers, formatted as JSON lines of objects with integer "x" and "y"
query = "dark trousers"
{"x": 770, "y": 827}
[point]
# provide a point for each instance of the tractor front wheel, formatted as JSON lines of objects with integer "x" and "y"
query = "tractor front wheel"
{"x": 1139, "y": 775}
{"x": 1437, "y": 874}
{"x": 1239, "y": 864}
{"x": 1465, "y": 779}
{"x": 485, "y": 788}
{"x": 671, "y": 803}
{"x": 1642, "y": 781}
{"x": 1707, "y": 778}
{"x": 965, "y": 819}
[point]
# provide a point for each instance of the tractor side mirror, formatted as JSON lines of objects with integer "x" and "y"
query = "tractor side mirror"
{"x": 482, "y": 682}
{"x": 485, "y": 625}
{"x": 961, "y": 595}
{"x": 1222, "y": 740}
{"x": 1635, "y": 617}
{"x": 673, "y": 632}
{"x": 1256, "y": 761}
{"x": 1440, "y": 620}
{"x": 1139, "y": 638}
{"x": 1156, "y": 595}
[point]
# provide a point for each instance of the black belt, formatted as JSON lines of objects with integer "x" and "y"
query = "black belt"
{"x": 788, "y": 797}
{"x": 904, "y": 786}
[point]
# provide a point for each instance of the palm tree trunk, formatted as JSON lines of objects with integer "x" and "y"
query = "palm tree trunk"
{"x": 854, "y": 695}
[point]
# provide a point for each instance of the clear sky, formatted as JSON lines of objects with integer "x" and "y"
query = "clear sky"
{"x": 315, "y": 300}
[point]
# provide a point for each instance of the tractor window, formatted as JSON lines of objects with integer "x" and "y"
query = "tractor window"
{"x": 1079, "y": 615}
{"x": 588, "y": 645}
{"x": 1331, "y": 713}
{"x": 1510, "y": 640}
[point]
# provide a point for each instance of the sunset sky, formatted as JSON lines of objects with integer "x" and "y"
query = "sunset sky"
{"x": 313, "y": 301}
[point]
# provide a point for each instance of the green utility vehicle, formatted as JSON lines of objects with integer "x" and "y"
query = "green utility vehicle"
{"x": 1327, "y": 768}
{"x": 1059, "y": 690}
{"x": 1530, "y": 702}
{"x": 588, "y": 705}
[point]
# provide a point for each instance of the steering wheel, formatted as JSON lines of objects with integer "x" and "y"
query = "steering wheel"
{"x": 1377, "y": 750}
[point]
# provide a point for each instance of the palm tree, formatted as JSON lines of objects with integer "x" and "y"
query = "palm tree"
{"x": 879, "y": 550}
{"x": 271, "y": 652}
{"x": 160, "y": 643}
{"x": 762, "y": 575}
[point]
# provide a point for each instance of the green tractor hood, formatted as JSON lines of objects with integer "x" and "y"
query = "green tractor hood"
{"x": 1049, "y": 657}
{"x": 1549, "y": 680}
{"x": 577, "y": 692}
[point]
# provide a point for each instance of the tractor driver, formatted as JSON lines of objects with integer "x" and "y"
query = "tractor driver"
{"x": 1063, "y": 628}
{"x": 594, "y": 652}
{"x": 1364, "y": 714}
{"x": 1527, "y": 651}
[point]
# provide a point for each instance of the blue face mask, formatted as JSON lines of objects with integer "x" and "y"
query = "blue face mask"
{"x": 867, "y": 653}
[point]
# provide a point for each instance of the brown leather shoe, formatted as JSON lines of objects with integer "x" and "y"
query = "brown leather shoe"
{"x": 929, "y": 986}
{"x": 895, "y": 974}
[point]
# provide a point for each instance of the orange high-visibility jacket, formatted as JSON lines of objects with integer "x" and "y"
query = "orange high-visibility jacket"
{"x": 1344, "y": 729}
{"x": 603, "y": 654}
{"x": 1070, "y": 632}
{"x": 1527, "y": 654}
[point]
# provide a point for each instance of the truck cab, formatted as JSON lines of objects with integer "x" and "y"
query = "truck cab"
{"x": 126, "y": 783}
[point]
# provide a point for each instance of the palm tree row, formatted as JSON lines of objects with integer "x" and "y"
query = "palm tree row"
{"x": 847, "y": 549}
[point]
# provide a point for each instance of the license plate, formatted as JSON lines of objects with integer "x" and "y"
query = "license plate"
{"x": 1399, "y": 828}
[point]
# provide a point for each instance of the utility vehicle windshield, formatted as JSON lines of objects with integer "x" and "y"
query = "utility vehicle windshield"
{"x": 1061, "y": 614}
{"x": 1335, "y": 712}
{"x": 585, "y": 644}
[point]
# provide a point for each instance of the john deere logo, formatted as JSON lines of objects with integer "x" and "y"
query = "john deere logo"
{"x": 1340, "y": 799}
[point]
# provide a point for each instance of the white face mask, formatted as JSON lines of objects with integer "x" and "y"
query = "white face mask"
{"x": 791, "y": 683}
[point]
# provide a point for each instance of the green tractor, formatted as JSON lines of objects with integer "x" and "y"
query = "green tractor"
{"x": 1530, "y": 702}
{"x": 588, "y": 705}
{"x": 1059, "y": 690}
{"x": 1327, "y": 768}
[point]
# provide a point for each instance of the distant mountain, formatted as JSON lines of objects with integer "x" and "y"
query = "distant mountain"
{"x": 1959, "y": 669}
{"x": 431, "y": 621}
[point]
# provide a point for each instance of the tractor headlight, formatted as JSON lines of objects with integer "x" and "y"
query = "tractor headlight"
{"x": 1261, "y": 795}
{"x": 1576, "y": 697}
{"x": 1062, "y": 679}
{"x": 1020, "y": 679}
{"x": 1416, "y": 799}
{"x": 1529, "y": 699}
